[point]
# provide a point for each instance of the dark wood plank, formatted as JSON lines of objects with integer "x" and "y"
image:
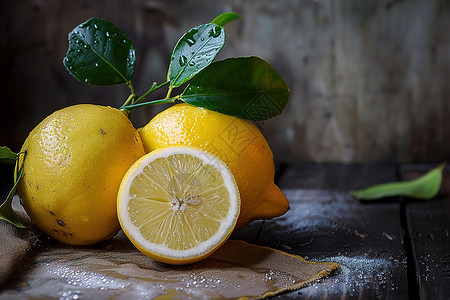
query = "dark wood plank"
{"x": 325, "y": 223}
{"x": 428, "y": 229}
{"x": 334, "y": 177}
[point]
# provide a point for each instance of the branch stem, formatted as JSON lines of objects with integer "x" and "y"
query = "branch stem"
{"x": 153, "y": 88}
{"x": 153, "y": 102}
{"x": 169, "y": 92}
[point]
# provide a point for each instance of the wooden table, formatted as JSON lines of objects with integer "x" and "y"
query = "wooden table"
{"x": 391, "y": 249}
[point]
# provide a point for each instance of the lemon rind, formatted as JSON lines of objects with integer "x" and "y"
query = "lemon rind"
{"x": 201, "y": 249}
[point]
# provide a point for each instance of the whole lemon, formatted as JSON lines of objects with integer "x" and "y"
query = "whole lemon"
{"x": 236, "y": 141}
{"x": 75, "y": 160}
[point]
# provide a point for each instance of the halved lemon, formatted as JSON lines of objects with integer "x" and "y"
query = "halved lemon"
{"x": 178, "y": 205}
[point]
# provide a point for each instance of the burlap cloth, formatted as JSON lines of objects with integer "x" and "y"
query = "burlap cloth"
{"x": 115, "y": 269}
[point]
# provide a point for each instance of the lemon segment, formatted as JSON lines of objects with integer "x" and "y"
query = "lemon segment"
{"x": 178, "y": 204}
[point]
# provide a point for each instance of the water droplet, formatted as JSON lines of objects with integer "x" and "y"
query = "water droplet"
{"x": 190, "y": 41}
{"x": 192, "y": 63}
{"x": 202, "y": 39}
{"x": 182, "y": 60}
{"x": 86, "y": 46}
{"x": 96, "y": 64}
{"x": 215, "y": 31}
{"x": 95, "y": 26}
{"x": 189, "y": 37}
{"x": 86, "y": 80}
{"x": 107, "y": 33}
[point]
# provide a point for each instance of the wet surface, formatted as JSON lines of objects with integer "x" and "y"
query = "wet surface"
{"x": 428, "y": 227}
{"x": 390, "y": 249}
{"x": 365, "y": 240}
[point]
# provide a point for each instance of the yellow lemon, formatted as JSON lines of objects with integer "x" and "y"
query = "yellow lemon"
{"x": 178, "y": 204}
{"x": 236, "y": 141}
{"x": 75, "y": 160}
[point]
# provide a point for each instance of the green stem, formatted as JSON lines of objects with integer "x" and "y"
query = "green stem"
{"x": 128, "y": 83}
{"x": 153, "y": 88}
{"x": 169, "y": 92}
{"x": 153, "y": 102}
{"x": 127, "y": 107}
{"x": 130, "y": 99}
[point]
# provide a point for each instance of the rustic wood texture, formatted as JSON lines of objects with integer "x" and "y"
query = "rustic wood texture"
{"x": 368, "y": 79}
{"x": 326, "y": 223}
{"x": 428, "y": 230}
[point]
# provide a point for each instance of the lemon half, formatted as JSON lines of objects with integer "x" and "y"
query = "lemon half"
{"x": 179, "y": 204}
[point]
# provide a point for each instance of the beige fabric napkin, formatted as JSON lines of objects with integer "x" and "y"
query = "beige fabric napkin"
{"x": 115, "y": 269}
{"x": 14, "y": 242}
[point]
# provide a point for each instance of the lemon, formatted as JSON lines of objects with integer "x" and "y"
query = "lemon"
{"x": 75, "y": 160}
{"x": 178, "y": 204}
{"x": 236, "y": 141}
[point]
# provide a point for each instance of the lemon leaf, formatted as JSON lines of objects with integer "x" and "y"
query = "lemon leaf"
{"x": 7, "y": 156}
{"x": 195, "y": 50}
{"x": 225, "y": 18}
{"x": 246, "y": 87}
{"x": 425, "y": 187}
{"x": 6, "y": 211}
{"x": 100, "y": 53}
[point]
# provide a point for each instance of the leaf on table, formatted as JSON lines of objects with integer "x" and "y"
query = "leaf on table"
{"x": 246, "y": 87}
{"x": 100, "y": 53}
{"x": 225, "y": 18}
{"x": 7, "y": 156}
{"x": 425, "y": 187}
{"x": 195, "y": 50}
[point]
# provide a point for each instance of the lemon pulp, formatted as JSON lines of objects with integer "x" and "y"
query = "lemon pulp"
{"x": 178, "y": 204}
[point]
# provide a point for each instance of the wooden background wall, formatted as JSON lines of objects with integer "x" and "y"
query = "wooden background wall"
{"x": 369, "y": 80}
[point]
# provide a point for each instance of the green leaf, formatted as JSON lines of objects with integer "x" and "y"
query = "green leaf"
{"x": 246, "y": 87}
{"x": 6, "y": 211}
{"x": 7, "y": 156}
{"x": 425, "y": 187}
{"x": 100, "y": 53}
{"x": 225, "y": 18}
{"x": 195, "y": 50}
